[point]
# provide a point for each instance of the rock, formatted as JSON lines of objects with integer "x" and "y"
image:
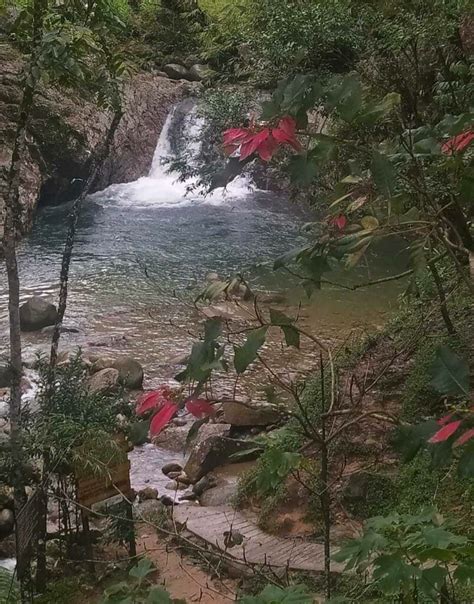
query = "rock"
{"x": 130, "y": 370}
{"x": 167, "y": 500}
{"x": 148, "y": 493}
{"x": 179, "y": 421}
{"x": 219, "y": 495}
{"x": 7, "y": 522}
{"x": 150, "y": 509}
{"x": 356, "y": 487}
{"x": 172, "y": 466}
{"x": 199, "y": 72}
{"x": 272, "y": 298}
{"x": 36, "y": 313}
{"x": 175, "y": 486}
{"x": 5, "y": 376}
{"x": 66, "y": 131}
{"x": 50, "y": 329}
{"x": 103, "y": 381}
{"x": 208, "y": 430}
{"x": 176, "y": 72}
{"x": 243, "y": 414}
{"x": 214, "y": 452}
{"x": 173, "y": 475}
{"x": 172, "y": 438}
{"x": 4, "y": 409}
{"x": 210, "y": 277}
{"x": 204, "y": 484}
{"x": 183, "y": 478}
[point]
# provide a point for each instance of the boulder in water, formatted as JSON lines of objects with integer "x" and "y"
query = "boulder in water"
{"x": 242, "y": 414}
{"x": 176, "y": 72}
{"x": 104, "y": 380}
{"x": 172, "y": 466}
{"x": 148, "y": 493}
{"x": 37, "y": 313}
{"x": 130, "y": 371}
{"x": 213, "y": 452}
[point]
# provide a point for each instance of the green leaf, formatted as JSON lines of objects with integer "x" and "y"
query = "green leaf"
{"x": 279, "y": 318}
{"x": 289, "y": 257}
{"x": 141, "y": 570}
{"x": 432, "y": 580}
{"x": 302, "y": 169}
{"x": 292, "y": 335}
{"x": 466, "y": 462}
{"x": 450, "y": 373}
{"x": 323, "y": 148}
{"x": 371, "y": 113}
{"x": 158, "y": 595}
{"x": 464, "y": 573}
{"x": 410, "y": 439}
{"x": 212, "y": 329}
{"x": 384, "y": 175}
{"x": 246, "y": 354}
{"x": 392, "y": 572}
{"x": 296, "y": 594}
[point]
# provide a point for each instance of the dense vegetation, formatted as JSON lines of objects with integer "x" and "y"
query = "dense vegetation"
{"x": 364, "y": 110}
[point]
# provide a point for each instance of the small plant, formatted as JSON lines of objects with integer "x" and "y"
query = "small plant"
{"x": 412, "y": 557}
{"x": 139, "y": 589}
{"x": 296, "y": 594}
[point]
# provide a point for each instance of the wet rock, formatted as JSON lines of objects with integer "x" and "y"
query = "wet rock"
{"x": 104, "y": 380}
{"x": 173, "y": 475}
{"x": 50, "y": 329}
{"x": 208, "y": 430}
{"x": 189, "y": 497}
{"x": 179, "y": 421}
{"x": 172, "y": 438}
{"x": 147, "y": 493}
{"x": 214, "y": 452}
{"x": 130, "y": 370}
{"x": 175, "y": 486}
{"x": 219, "y": 495}
{"x": 183, "y": 478}
{"x": 5, "y": 376}
{"x": 204, "y": 484}
{"x": 199, "y": 72}
{"x": 167, "y": 500}
{"x": 172, "y": 466}
{"x": 176, "y": 72}
{"x": 243, "y": 414}
{"x": 37, "y": 313}
{"x": 7, "y": 522}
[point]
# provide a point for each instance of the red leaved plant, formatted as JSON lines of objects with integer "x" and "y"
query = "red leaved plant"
{"x": 163, "y": 407}
{"x": 458, "y": 143}
{"x": 261, "y": 140}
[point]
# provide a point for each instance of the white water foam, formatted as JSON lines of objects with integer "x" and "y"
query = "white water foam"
{"x": 162, "y": 188}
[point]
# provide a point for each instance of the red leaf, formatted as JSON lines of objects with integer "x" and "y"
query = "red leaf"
{"x": 462, "y": 440}
{"x": 445, "y": 432}
{"x": 338, "y": 221}
{"x": 284, "y": 133}
{"x": 199, "y": 407}
{"x": 153, "y": 399}
{"x": 444, "y": 420}
{"x": 458, "y": 143}
{"x": 250, "y": 145}
{"x": 288, "y": 125}
{"x": 267, "y": 148}
{"x": 162, "y": 418}
{"x": 235, "y": 135}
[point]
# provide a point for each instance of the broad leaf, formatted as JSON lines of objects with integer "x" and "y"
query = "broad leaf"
{"x": 142, "y": 569}
{"x": 246, "y": 354}
{"x": 450, "y": 373}
{"x": 384, "y": 175}
{"x": 279, "y": 318}
{"x": 162, "y": 418}
{"x": 292, "y": 335}
{"x": 303, "y": 170}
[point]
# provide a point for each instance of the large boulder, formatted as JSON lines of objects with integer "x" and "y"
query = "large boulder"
{"x": 130, "y": 370}
{"x": 199, "y": 72}
{"x": 37, "y": 313}
{"x": 172, "y": 438}
{"x": 176, "y": 72}
{"x": 243, "y": 414}
{"x": 223, "y": 494}
{"x": 213, "y": 452}
{"x": 104, "y": 380}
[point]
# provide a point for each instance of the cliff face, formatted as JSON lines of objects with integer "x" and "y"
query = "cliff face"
{"x": 65, "y": 131}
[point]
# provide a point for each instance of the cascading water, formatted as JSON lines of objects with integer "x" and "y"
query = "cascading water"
{"x": 162, "y": 187}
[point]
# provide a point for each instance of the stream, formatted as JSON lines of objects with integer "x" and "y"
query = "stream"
{"x": 143, "y": 251}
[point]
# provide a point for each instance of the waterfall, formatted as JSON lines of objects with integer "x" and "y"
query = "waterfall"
{"x": 162, "y": 187}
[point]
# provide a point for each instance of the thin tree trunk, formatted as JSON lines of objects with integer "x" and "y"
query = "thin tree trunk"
{"x": 11, "y": 228}
{"x": 325, "y": 499}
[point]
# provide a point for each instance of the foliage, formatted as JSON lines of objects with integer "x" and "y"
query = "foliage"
{"x": 138, "y": 589}
{"x": 73, "y": 425}
{"x": 410, "y": 556}
{"x": 272, "y": 594}
{"x": 9, "y": 591}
